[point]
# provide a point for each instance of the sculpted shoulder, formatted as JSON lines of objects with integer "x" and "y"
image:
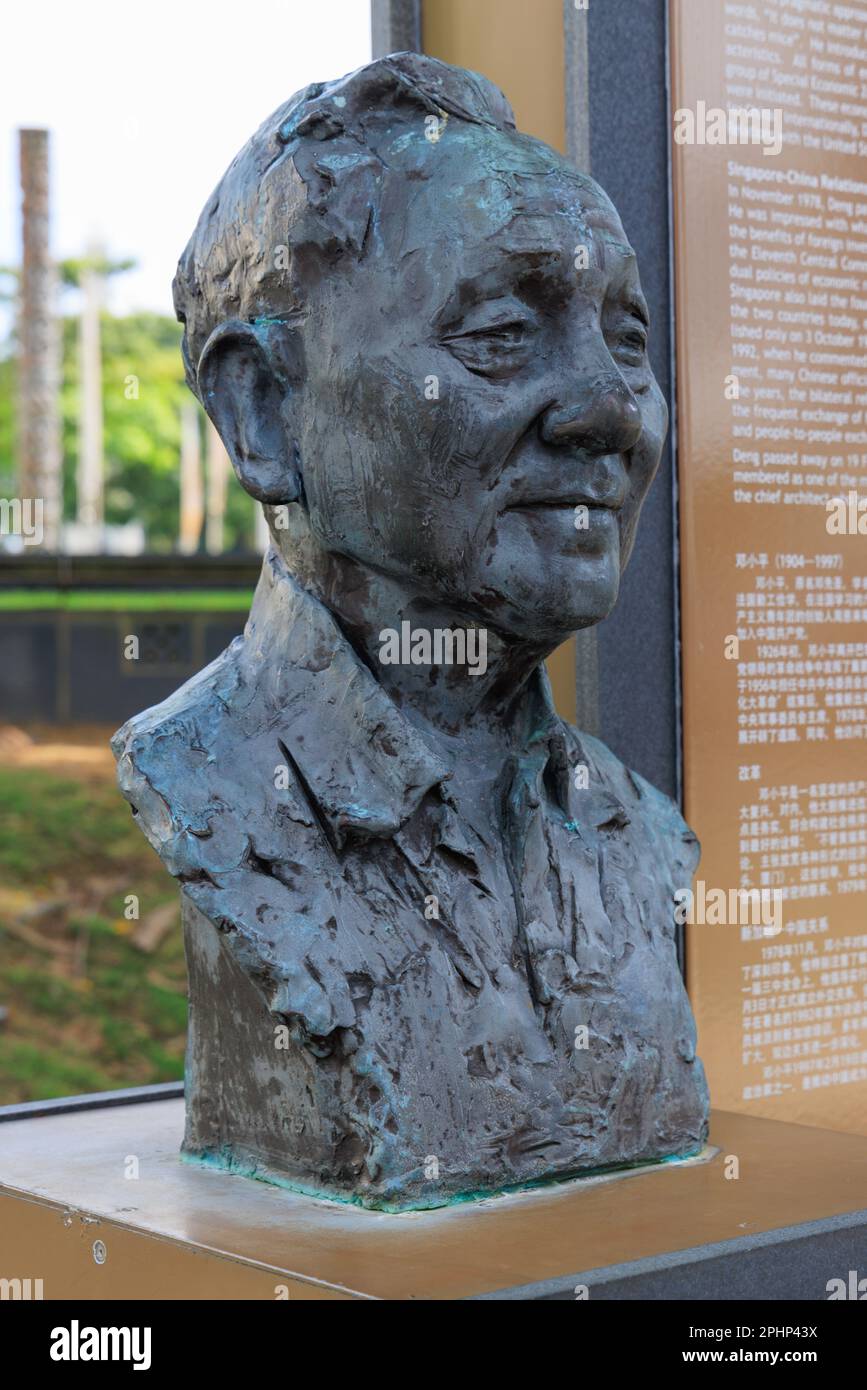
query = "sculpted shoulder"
{"x": 209, "y": 778}
{"x": 209, "y": 784}
{"x": 169, "y": 770}
{"x": 656, "y": 814}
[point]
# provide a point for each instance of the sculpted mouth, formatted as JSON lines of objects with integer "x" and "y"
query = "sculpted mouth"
{"x": 538, "y": 504}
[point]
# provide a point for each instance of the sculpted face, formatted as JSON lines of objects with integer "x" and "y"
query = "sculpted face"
{"x": 477, "y": 380}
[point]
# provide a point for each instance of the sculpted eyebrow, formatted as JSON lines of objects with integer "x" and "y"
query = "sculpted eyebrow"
{"x": 476, "y": 284}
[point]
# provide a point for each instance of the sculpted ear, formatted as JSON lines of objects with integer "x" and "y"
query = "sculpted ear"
{"x": 246, "y": 399}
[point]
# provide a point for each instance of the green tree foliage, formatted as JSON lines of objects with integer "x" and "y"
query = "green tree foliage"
{"x": 142, "y": 436}
{"x": 143, "y": 392}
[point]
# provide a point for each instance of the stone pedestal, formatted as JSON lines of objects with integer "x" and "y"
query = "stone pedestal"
{"x": 794, "y": 1219}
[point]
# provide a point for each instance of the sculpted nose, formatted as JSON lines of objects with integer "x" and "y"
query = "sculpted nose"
{"x": 604, "y": 419}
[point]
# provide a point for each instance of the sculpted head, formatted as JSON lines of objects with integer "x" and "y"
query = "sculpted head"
{"x": 422, "y": 338}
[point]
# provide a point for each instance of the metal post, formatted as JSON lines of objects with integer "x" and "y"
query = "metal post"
{"x": 395, "y": 26}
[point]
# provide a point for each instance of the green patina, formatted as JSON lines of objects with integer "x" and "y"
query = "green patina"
{"x": 224, "y": 1162}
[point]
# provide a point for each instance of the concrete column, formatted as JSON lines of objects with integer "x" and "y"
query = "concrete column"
{"x": 40, "y": 459}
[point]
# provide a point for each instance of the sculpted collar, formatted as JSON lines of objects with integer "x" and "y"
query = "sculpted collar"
{"x": 364, "y": 766}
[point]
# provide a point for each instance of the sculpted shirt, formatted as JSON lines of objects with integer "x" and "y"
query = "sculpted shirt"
{"x": 504, "y": 998}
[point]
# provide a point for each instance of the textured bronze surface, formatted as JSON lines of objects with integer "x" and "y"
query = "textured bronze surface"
{"x": 444, "y": 957}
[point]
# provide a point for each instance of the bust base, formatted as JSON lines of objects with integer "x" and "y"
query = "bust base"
{"x": 779, "y": 1231}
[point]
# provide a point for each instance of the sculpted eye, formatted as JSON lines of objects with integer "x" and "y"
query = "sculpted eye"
{"x": 631, "y": 346}
{"x": 500, "y": 332}
{"x": 494, "y": 349}
{"x": 507, "y": 334}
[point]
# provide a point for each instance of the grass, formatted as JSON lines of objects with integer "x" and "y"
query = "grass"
{"x": 48, "y": 824}
{"x": 87, "y": 1010}
{"x": 126, "y": 600}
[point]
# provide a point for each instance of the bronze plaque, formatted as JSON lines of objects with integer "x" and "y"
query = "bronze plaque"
{"x": 769, "y": 111}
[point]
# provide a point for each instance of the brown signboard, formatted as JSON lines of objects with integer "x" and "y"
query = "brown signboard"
{"x": 770, "y": 176}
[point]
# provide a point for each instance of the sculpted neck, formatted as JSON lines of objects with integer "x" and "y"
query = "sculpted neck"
{"x": 444, "y": 667}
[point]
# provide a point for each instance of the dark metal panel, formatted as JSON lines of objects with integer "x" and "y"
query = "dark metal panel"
{"x": 629, "y": 156}
{"x": 793, "y": 1262}
{"x": 28, "y": 666}
{"x": 395, "y": 26}
{"x": 94, "y": 1100}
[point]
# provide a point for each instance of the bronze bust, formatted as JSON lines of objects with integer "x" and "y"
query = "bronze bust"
{"x": 430, "y": 927}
